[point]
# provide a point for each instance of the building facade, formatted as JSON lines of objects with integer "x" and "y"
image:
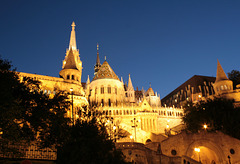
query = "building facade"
{"x": 148, "y": 123}
{"x": 139, "y": 113}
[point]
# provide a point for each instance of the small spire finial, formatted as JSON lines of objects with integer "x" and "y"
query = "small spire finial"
{"x": 150, "y": 84}
{"x": 72, "y": 44}
{"x": 105, "y": 58}
{"x": 73, "y": 24}
{"x": 97, "y": 46}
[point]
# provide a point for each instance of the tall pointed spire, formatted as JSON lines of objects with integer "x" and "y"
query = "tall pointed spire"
{"x": 220, "y": 73}
{"x": 98, "y": 59}
{"x": 98, "y": 64}
{"x": 72, "y": 43}
{"x": 72, "y": 65}
{"x": 130, "y": 91}
{"x": 88, "y": 80}
{"x": 130, "y": 86}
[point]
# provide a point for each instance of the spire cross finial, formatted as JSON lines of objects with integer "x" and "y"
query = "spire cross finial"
{"x": 150, "y": 84}
{"x": 105, "y": 58}
{"x": 73, "y": 25}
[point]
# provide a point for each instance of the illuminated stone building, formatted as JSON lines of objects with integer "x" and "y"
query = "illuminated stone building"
{"x": 152, "y": 127}
{"x": 69, "y": 80}
{"x": 138, "y": 112}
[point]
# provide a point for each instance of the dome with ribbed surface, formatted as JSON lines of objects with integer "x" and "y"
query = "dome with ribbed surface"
{"x": 105, "y": 72}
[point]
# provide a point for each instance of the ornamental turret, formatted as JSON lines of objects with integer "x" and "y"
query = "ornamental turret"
{"x": 72, "y": 65}
{"x": 222, "y": 83}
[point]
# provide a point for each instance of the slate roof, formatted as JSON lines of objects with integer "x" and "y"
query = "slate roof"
{"x": 105, "y": 72}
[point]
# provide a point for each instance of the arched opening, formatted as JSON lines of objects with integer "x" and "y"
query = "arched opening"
{"x": 148, "y": 141}
{"x": 205, "y": 152}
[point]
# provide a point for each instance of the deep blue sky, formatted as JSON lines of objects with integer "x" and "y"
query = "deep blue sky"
{"x": 162, "y": 42}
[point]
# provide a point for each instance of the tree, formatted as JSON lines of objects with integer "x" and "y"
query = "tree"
{"x": 218, "y": 114}
{"x": 27, "y": 114}
{"x": 89, "y": 142}
{"x": 234, "y": 75}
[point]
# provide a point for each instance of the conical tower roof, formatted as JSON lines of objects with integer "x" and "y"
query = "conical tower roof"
{"x": 105, "y": 72}
{"x": 130, "y": 86}
{"x": 220, "y": 73}
{"x": 70, "y": 61}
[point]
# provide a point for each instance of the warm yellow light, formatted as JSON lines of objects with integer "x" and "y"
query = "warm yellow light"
{"x": 114, "y": 127}
{"x": 168, "y": 120}
{"x": 167, "y": 126}
{"x": 71, "y": 89}
{"x": 205, "y": 126}
{"x": 199, "y": 96}
{"x": 197, "y": 149}
{"x": 131, "y": 137}
{"x": 77, "y": 116}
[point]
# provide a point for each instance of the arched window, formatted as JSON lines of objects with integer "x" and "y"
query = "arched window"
{"x": 72, "y": 77}
{"x": 109, "y": 89}
{"x": 222, "y": 87}
{"x": 102, "y": 90}
{"x": 96, "y": 90}
{"x": 68, "y": 77}
{"x": 115, "y": 90}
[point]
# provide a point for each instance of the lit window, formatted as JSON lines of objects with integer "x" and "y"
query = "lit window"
{"x": 102, "y": 90}
{"x": 222, "y": 87}
{"x": 109, "y": 89}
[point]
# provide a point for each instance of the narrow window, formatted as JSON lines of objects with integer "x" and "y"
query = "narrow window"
{"x": 102, "y": 90}
{"x": 109, "y": 102}
{"x": 72, "y": 77}
{"x": 96, "y": 90}
{"x": 68, "y": 77}
{"x": 109, "y": 89}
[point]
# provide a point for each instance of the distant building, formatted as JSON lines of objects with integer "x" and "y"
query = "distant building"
{"x": 199, "y": 88}
{"x": 193, "y": 90}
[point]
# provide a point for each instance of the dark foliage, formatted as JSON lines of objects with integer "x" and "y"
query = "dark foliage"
{"x": 26, "y": 114}
{"x": 218, "y": 114}
{"x": 89, "y": 142}
{"x": 234, "y": 75}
